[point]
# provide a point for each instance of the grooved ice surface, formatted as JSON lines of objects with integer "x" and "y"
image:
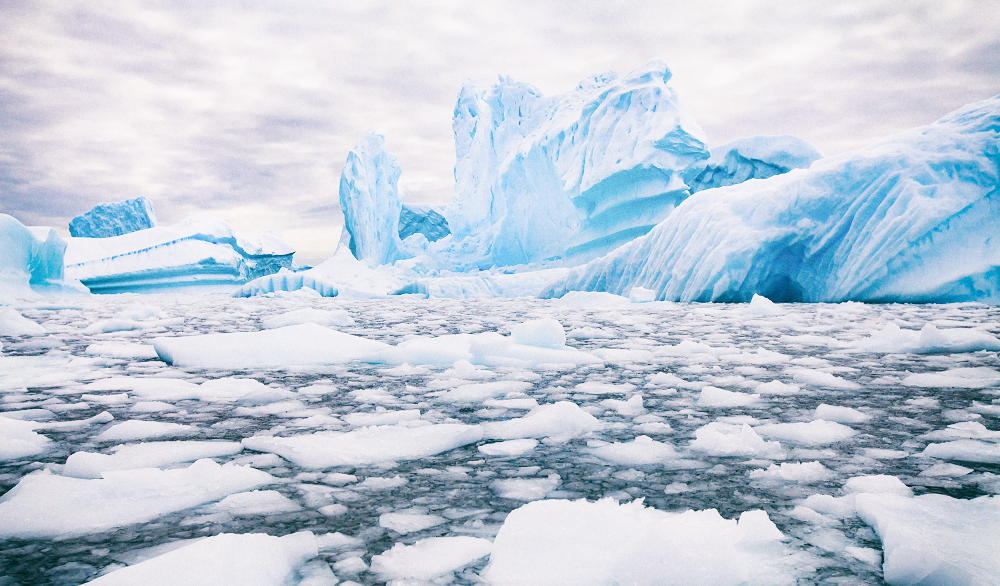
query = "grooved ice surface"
{"x": 911, "y": 218}
{"x": 755, "y": 157}
{"x": 624, "y": 424}
{"x": 369, "y": 196}
{"x": 422, "y": 219}
{"x": 114, "y": 219}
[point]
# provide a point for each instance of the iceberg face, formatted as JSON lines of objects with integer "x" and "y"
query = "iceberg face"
{"x": 369, "y": 197}
{"x": 114, "y": 219}
{"x": 31, "y": 260}
{"x": 567, "y": 176}
{"x": 912, "y": 218}
{"x": 426, "y": 220}
{"x": 201, "y": 252}
{"x": 755, "y": 157}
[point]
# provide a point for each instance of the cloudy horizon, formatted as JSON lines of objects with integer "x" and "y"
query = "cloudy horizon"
{"x": 248, "y": 112}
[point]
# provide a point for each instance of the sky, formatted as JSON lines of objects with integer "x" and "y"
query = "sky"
{"x": 247, "y": 110}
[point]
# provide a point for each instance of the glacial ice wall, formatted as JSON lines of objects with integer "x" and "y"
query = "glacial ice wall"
{"x": 369, "y": 197}
{"x": 912, "y": 218}
{"x": 755, "y": 157}
{"x": 422, "y": 219}
{"x": 114, "y": 219}
{"x": 31, "y": 260}
{"x": 573, "y": 175}
{"x": 199, "y": 253}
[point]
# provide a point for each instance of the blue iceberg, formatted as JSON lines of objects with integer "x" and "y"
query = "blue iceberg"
{"x": 369, "y": 197}
{"x": 114, "y": 219}
{"x": 911, "y": 218}
{"x": 755, "y": 157}
{"x": 31, "y": 261}
{"x": 422, "y": 219}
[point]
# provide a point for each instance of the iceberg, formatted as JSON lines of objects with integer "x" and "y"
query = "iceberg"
{"x": 422, "y": 219}
{"x": 574, "y": 175}
{"x": 370, "y": 200}
{"x": 755, "y": 157}
{"x": 114, "y": 219}
{"x": 911, "y": 218}
{"x": 31, "y": 261}
{"x": 199, "y": 253}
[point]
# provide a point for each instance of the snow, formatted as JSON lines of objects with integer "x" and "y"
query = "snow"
{"x": 114, "y": 219}
{"x": 935, "y": 539}
{"x": 48, "y": 505}
{"x": 250, "y": 559}
{"x": 384, "y": 443}
{"x": 584, "y": 543}
{"x": 429, "y": 558}
{"x": 369, "y": 197}
{"x": 755, "y": 157}
{"x": 905, "y": 219}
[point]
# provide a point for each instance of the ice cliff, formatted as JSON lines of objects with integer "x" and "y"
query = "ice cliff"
{"x": 369, "y": 197}
{"x": 755, "y": 157}
{"x": 201, "y": 252}
{"x": 573, "y": 175}
{"x": 114, "y": 219}
{"x": 911, "y": 218}
{"x": 31, "y": 261}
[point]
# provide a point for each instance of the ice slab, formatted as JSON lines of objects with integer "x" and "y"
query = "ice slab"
{"x": 429, "y": 558}
{"x": 137, "y": 429}
{"x": 145, "y": 455}
{"x": 813, "y": 433}
{"x": 935, "y": 539}
{"x": 729, "y": 439}
{"x": 368, "y": 445}
{"x": 804, "y": 472}
{"x": 557, "y": 419}
{"x": 12, "y": 323}
{"x": 19, "y": 440}
{"x": 323, "y": 317}
{"x": 257, "y": 502}
{"x": 47, "y": 505}
{"x": 929, "y": 340}
{"x": 227, "y": 559}
{"x": 404, "y": 523}
{"x": 965, "y": 450}
{"x": 580, "y": 543}
{"x": 643, "y": 450}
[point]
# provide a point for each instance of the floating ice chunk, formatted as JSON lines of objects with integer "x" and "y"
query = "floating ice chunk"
{"x": 641, "y": 295}
{"x": 525, "y": 489}
{"x": 804, "y": 472}
{"x": 715, "y": 397}
{"x": 580, "y": 543}
{"x": 292, "y": 345}
{"x": 141, "y": 312}
{"x": 591, "y": 299}
{"x": 776, "y": 387}
{"x": 512, "y": 401}
{"x": 599, "y": 388}
{"x": 588, "y": 333}
{"x": 962, "y": 430}
{"x": 323, "y": 317}
{"x": 257, "y": 502}
{"x": 666, "y": 379}
{"x": 287, "y": 283}
{"x": 47, "y": 505}
{"x": 368, "y": 445}
{"x": 877, "y": 483}
{"x": 642, "y": 450}
{"x": 404, "y": 523}
{"x": 935, "y": 539}
{"x": 509, "y": 448}
{"x": 814, "y": 433}
{"x": 479, "y": 392}
{"x": 959, "y": 378}
{"x": 145, "y": 455}
{"x": 726, "y": 439}
{"x": 819, "y": 378}
{"x": 762, "y": 306}
{"x": 840, "y": 414}
{"x": 761, "y": 357}
{"x": 380, "y": 483}
{"x": 19, "y": 440}
{"x": 561, "y": 418}
{"x": 429, "y": 558}
{"x": 630, "y": 408}
{"x": 928, "y": 340}
{"x": 125, "y": 351}
{"x": 831, "y": 505}
{"x": 249, "y": 559}
{"x": 945, "y": 470}
{"x": 12, "y": 323}
{"x": 136, "y": 429}
{"x": 488, "y": 349}
{"x": 381, "y": 417}
{"x": 544, "y": 333}
{"x": 965, "y": 450}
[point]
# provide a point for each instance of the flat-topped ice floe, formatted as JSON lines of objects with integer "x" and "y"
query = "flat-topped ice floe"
{"x": 580, "y": 543}
{"x": 368, "y": 445}
{"x": 145, "y": 455}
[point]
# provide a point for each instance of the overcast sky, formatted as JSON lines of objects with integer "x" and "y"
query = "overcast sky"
{"x": 246, "y": 110}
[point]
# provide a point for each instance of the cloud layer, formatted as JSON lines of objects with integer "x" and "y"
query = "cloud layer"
{"x": 248, "y": 112}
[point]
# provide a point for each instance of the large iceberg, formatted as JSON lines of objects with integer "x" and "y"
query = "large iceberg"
{"x": 569, "y": 176}
{"x": 114, "y": 219}
{"x": 755, "y": 157}
{"x": 369, "y": 197}
{"x": 911, "y": 218}
{"x": 31, "y": 261}
{"x": 199, "y": 253}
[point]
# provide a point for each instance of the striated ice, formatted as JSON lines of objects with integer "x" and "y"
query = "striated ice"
{"x": 32, "y": 261}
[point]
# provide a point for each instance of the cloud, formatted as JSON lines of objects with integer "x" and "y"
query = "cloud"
{"x": 248, "y": 111}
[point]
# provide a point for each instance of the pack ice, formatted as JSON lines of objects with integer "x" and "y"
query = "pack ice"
{"x": 910, "y": 218}
{"x": 201, "y": 252}
{"x": 114, "y": 219}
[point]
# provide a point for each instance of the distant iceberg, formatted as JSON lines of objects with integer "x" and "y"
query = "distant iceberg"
{"x": 911, "y": 218}
{"x": 31, "y": 261}
{"x": 114, "y": 219}
{"x": 199, "y": 253}
{"x": 426, "y": 220}
{"x": 755, "y": 157}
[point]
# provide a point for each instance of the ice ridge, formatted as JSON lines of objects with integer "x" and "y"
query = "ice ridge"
{"x": 755, "y": 157}
{"x": 114, "y": 219}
